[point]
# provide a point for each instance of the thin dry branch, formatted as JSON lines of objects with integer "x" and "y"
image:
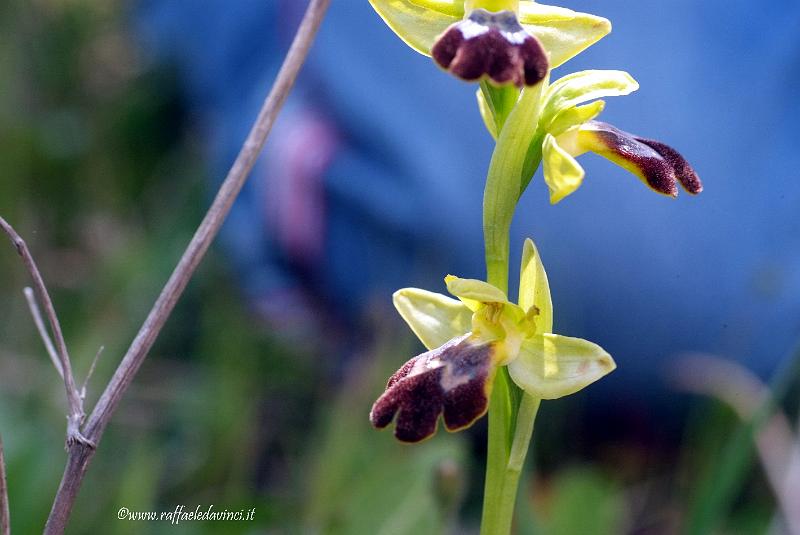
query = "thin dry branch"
{"x": 5, "y": 518}
{"x": 36, "y": 314}
{"x": 74, "y": 402}
{"x": 80, "y": 455}
{"x": 91, "y": 371}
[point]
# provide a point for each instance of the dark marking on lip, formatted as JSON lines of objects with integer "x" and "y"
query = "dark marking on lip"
{"x": 683, "y": 170}
{"x": 453, "y": 380}
{"x": 494, "y": 45}
{"x": 658, "y": 164}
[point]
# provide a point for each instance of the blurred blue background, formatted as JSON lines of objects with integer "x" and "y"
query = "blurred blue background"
{"x": 395, "y": 197}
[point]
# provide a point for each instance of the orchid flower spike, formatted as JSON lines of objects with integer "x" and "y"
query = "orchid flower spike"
{"x": 503, "y": 41}
{"x": 568, "y": 130}
{"x": 468, "y": 340}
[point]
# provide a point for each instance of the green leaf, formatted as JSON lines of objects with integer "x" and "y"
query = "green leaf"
{"x": 562, "y": 173}
{"x": 534, "y": 290}
{"x": 583, "y": 86}
{"x": 563, "y": 33}
{"x": 551, "y": 366}
{"x": 434, "y": 318}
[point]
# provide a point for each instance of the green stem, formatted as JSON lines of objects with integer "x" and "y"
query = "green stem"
{"x": 507, "y": 177}
{"x": 519, "y": 449}
{"x": 526, "y": 417}
{"x": 500, "y": 417}
{"x": 501, "y": 101}
{"x": 499, "y": 500}
{"x": 505, "y": 180}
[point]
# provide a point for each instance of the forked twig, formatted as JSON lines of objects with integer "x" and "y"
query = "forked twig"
{"x": 74, "y": 402}
{"x": 80, "y": 454}
{"x": 36, "y": 314}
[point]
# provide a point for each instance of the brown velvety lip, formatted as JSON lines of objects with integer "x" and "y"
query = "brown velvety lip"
{"x": 491, "y": 45}
{"x": 452, "y": 380}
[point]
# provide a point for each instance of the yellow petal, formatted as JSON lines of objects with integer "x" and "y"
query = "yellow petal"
{"x": 434, "y": 318}
{"x": 562, "y": 173}
{"x": 474, "y": 292}
{"x": 550, "y": 366}
{"x": 486, "y": 114}
{"x": 492, "y": 5}
{"x": 420, "y": 22}
{"x": 534, "y": 290}
{"x": 577, "y": 88}
{"x": 563, "y": 33}
{"x": 575, "y": 116}
{"x": 612, "y": 82}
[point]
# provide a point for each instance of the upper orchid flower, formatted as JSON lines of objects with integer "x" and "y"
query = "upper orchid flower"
{"x": 504, "y": 41}
{"x": 468, "y": 339}
{"x": 568, "y": 130}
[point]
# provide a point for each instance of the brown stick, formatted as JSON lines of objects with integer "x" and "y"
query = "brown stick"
{"x": 74, "y": 401}
{"x": 80, "y": 455}
{"x": 91, "y": 371}
{"x": 36, "y": 314}
{"x": 5, "y": 518}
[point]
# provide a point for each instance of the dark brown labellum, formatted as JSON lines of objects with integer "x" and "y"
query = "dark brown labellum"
{"x": 453, "y": 380}
{"x": 494, "y": 45}
{"x": 661, "y": 166}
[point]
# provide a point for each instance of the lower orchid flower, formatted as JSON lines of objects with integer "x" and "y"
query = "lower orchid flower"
{"x": 469, "y": 339}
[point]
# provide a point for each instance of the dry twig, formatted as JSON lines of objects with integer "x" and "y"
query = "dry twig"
{"x": 81, "y": 454}
{"x": 36, "y": 314}
{"x": 74, "y": 401}
{"x": 91, "y": 372}
{"x": 5, "y": 519}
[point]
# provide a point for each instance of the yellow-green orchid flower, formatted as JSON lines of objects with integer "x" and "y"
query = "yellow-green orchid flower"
{"x": 505, "y": 41}
{"x": 468, "y": 339}
{"x": 567, "y": 130}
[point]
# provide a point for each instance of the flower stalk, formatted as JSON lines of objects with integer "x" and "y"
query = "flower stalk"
{"x": 504, "y": 182}
{"x": 510, "y": 422}
{"x": 486, "y": 353}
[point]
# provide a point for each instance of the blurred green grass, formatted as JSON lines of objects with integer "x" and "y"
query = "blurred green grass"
{"x": 103, "y": 177}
